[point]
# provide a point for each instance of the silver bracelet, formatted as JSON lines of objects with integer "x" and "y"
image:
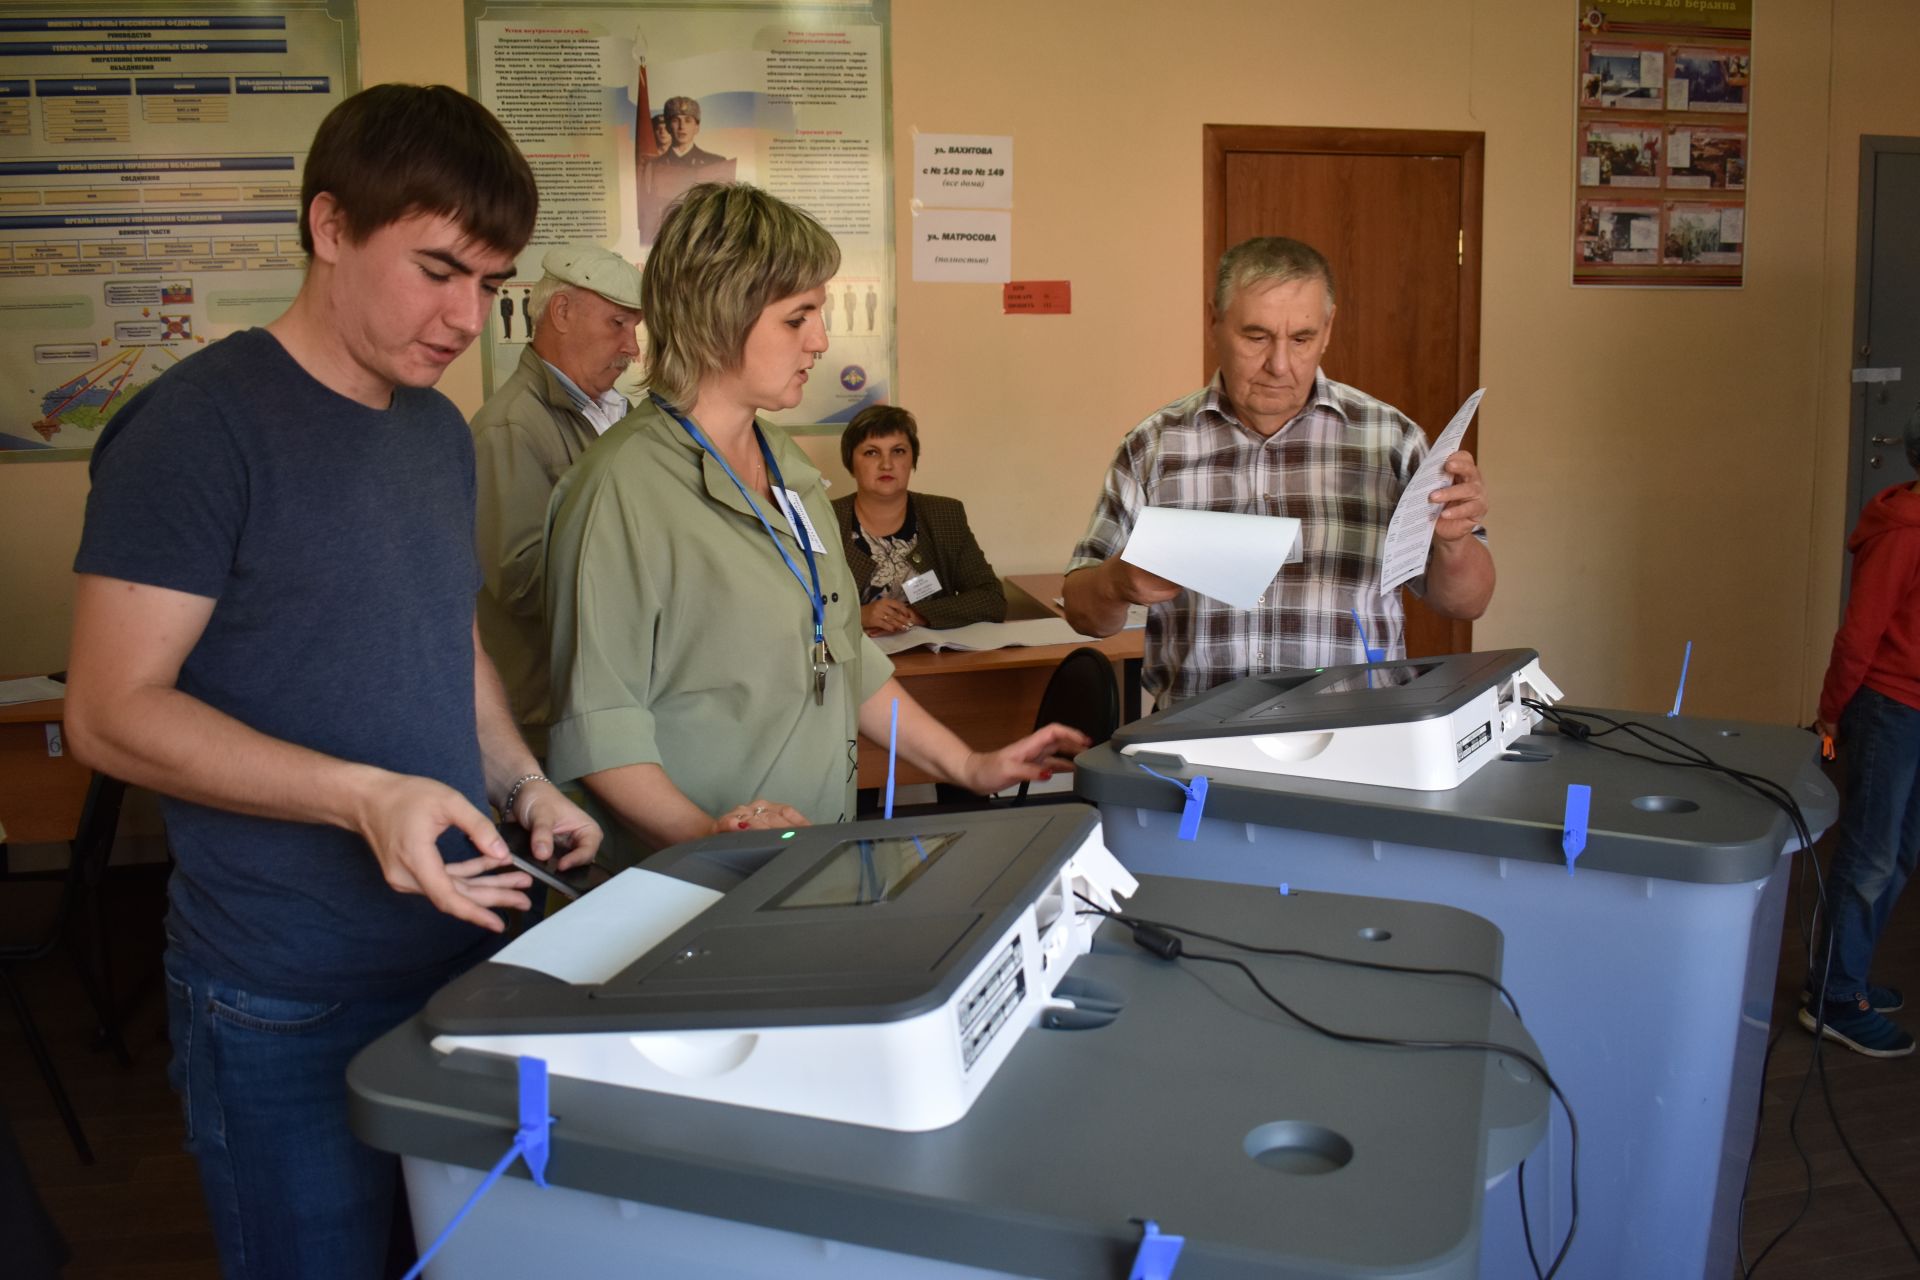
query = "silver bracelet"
{"x": 513, "y": 793}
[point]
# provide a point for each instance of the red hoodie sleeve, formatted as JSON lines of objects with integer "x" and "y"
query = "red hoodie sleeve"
{"x": 1880, "y": 577}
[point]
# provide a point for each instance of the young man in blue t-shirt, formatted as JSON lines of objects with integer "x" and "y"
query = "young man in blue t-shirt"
{"x": 273, "y": 627}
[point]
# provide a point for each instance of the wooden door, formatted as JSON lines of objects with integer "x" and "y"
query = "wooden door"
{"x": 1397, "y": 213}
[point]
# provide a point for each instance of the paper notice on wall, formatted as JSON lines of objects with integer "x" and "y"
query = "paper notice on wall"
{"x": 1410, "y": 532}
{"x": 1037, "y": 297}
{"x": 1225, "y": 555}
{"x": 963, "y": 170}
{"x": 962, "y": 246}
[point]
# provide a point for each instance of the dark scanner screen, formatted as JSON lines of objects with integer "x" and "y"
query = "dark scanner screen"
{"x": 857, "y": 873}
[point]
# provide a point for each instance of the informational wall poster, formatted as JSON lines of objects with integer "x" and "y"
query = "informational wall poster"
{"x": 622, "y": 106}
{"x": 150, "y": 163}
{"x": 1662, "y": 91}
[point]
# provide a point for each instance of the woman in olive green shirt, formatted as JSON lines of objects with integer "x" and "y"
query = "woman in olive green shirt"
{"x": 706, "y": 629}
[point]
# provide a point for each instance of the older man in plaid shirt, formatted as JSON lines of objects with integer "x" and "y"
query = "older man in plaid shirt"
{"x": 1272, "y": 435}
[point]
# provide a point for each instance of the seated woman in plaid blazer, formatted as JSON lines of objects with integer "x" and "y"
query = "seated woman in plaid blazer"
{"x": 913, "y": 555}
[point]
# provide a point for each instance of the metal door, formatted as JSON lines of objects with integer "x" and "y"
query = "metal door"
{"x": 1886, "y": 346}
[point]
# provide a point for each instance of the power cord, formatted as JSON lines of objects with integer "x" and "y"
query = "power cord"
{"x": 1164, "y": 940}
{"x": 1676, "y": 752}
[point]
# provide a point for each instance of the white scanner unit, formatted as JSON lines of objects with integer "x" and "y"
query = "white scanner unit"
{"x": 1425, "y": 724}
{"x": 876, "y": 973}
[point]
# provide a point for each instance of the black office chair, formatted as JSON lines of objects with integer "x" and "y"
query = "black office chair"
{"x": 78, "y": 895}
{"x": 1082, "y": 695}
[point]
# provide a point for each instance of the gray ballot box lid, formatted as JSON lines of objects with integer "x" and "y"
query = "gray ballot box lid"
{"x": 1650, "y": 818}
{"x": 1170, "y": 1091}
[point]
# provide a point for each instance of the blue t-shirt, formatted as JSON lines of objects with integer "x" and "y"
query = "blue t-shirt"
{"x": 337, "y": 544}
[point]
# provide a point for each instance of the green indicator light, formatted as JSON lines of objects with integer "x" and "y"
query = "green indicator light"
{"x": 786, "y": 835}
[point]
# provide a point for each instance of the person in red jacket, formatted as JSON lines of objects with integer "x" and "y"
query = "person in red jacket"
{"x": 1872, "y": 695}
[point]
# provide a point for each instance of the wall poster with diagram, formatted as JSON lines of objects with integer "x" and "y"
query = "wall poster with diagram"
{"x": 622, "y": 105}
{"x": 150, "y": 158}
{"x": 1662, "y": 93}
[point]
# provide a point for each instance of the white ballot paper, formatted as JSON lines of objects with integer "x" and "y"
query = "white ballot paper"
{"x": 1222, "y": 554}
{"x": 1410, "y": 532}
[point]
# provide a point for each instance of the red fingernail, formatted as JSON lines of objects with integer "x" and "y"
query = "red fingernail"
{"x": 742, "y": 824}
{"x": 1046, "y": 774}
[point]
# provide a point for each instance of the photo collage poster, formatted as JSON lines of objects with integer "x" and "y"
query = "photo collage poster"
{"x": 622, "y": 106}
{"x": 1663, "y": 91}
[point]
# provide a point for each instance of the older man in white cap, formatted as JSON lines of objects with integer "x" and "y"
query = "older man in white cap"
{"x": 583, "y": 312}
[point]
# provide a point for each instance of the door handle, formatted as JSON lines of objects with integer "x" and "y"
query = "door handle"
{"x": 1886, "y": 440}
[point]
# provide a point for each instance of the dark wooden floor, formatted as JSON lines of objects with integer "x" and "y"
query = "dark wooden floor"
{"x": 136, "y": 1214}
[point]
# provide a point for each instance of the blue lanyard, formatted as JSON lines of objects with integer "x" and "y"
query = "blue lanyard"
{"x": 815, "y": 598}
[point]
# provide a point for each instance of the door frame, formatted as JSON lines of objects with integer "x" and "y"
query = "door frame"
{"x": 1217, "y": 140}
{"x": 1872, "y": 147}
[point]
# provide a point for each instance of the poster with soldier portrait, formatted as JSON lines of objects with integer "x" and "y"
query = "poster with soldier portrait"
{"x": 620, "y": 107}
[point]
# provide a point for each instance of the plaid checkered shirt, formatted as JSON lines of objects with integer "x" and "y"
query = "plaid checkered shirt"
{"x": 1339, "y": 468}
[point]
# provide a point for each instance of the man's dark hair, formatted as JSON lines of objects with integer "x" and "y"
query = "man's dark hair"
{"x": 878, "y": 420}
{"x": 397, "y": 150}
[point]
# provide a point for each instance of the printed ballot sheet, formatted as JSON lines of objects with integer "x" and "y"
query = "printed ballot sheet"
{"x": 1222, "y": 554}
{"x": 1410, "y": 533}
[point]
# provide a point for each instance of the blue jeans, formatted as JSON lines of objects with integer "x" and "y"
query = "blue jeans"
{"x": 1879, "y": 833}
{"x": 262, "y": 1084}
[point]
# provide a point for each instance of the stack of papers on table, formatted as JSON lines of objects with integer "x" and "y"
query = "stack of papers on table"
{"x": 30, "y": 689}
{"x": 984, "y": 635}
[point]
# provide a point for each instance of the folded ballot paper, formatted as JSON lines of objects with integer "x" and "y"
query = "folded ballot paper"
{"x": 1403, "y": 555}
{"x": 1230, "y": 557}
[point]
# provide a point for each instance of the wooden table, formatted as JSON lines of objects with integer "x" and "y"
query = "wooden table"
{"x": 990, "y": 696}
{"x": 1044, "y": 590}
{"x": 41, "y": 794}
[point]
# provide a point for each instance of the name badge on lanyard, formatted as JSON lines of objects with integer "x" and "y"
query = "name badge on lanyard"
{"x": 798, "y": 520}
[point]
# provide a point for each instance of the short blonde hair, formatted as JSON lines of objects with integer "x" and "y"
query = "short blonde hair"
{"x": 724, "y": 254}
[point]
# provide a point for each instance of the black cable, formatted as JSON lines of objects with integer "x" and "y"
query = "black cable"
{"x": 1806, "y": 922}
{"x": 1793, "y": 1116}
{"x": 1164, "y": 941}
{"x": 1871, "y": 1186}
{"x": 1323, "y": 957}
{"x": 1526, "y": 1227}
{"x": 1683, "y": 754}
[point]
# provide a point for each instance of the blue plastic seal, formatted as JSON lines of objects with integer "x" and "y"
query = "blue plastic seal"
{"x": 1373, "y": 654}
{"x": 530, "y": 1143}
{"x": 1195, "y": 806}
{"x": 1685, "y": 660}
{"x": 535, "y": 1122}
{"x": 1194, "y": 809}
{"x": 1573, "y": 832}
{"x": 1158, "y": 1254}
{"x": 893, "y": 742}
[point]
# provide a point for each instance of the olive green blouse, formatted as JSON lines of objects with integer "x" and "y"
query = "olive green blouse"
{"x": 680, "y": 637}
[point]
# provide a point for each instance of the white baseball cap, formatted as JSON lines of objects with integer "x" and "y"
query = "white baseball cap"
{"x": 596, "y": 270}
